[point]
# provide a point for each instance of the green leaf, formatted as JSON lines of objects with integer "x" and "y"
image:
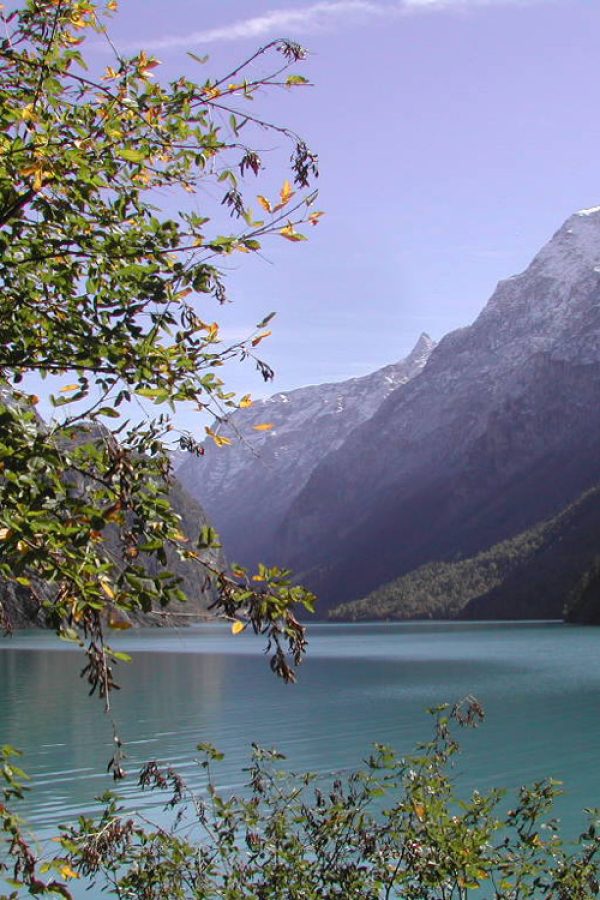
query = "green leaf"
{"x": 131, "y": 155}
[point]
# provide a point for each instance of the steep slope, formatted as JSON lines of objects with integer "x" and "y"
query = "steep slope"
{"x": 247, "y": 488}
{"x": 501, "y": 430}
{"x": 532, "y": 575}
{"x": 583, "y": 603}
{"x": 542, "y": 585}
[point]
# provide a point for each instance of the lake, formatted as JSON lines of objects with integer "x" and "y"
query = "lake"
{"x": 539, "y": 684}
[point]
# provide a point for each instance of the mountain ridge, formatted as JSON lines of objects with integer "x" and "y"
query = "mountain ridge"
{"x": 505, "y": 406}
{"x": 246, "y": 488}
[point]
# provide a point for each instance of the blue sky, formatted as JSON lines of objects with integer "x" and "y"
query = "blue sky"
{"x": 454, "y": 138}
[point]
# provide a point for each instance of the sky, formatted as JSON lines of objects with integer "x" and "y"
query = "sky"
{"x": 454, "y": 137}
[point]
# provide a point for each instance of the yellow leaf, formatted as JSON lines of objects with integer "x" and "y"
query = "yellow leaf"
{"x": 39, "y": 175}
{"x": 264, "y": 203}
{"x": 68, "y": 387}
{"x": 5, "y": 533}
{"x": 27, "y": 113}
{"x": 112, "y": 5}
{"x": 218, "y": 439}
{"x": 107, "y": 590}
{"x": 245, "y": 401}
{"x": 180, "y": 536}
{"x": 67, "y": 872}
{"x": 289, "y": 232}
{"x": 260, "y": 337}
{"x": 315, "y": 216}
{"x": 286, "y": 193}
{"x": 264, "y": 426}
{"x": 237, "y": 627}
{"x": 71, "y": 39}
{"x": 110, "y": 74}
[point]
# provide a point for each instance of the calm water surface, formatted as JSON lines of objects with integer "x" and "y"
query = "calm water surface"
{"x": 539, "y": 683}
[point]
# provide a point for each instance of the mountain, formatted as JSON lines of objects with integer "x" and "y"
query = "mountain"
{"x": 501, "y": 430}
{"x": 247, "y": 488}
{"x": 536, "y": 574}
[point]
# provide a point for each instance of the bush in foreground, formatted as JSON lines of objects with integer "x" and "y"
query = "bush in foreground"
{"x": 395, "y": 829}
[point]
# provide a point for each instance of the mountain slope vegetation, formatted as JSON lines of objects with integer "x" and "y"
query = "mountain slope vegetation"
{"x": 535, "y": 574}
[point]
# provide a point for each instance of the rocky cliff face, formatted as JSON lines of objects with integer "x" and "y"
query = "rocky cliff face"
{"x": 248, "y": 487}
{"x": 501, "y": 430}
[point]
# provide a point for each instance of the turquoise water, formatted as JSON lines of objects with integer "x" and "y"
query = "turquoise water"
{"x": 539, "y": 684}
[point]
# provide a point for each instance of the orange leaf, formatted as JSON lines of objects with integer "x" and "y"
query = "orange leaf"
{"x": 264, "y": 426}
{"x": 286, "y": 193}
{"x": 264, "y": 203}
{"x": 419, "y": 810}
{"x": 260, "y": 337}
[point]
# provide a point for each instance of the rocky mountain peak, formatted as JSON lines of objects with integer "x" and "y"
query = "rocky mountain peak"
{"x": 248, "y": 486}
{"x": 574, "y": 249}
{"x": 421, "y": 352}
{"x": 550, "y": 306}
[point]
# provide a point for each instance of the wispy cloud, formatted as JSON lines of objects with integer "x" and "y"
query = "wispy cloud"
{"x": 319, "y": 16}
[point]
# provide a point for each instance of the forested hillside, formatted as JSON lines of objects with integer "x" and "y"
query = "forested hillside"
{"x": 533, "y": 575}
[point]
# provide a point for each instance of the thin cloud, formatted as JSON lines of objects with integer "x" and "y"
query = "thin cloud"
{"x": 305, "y": 19}
{"x": 319, "y": 16}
